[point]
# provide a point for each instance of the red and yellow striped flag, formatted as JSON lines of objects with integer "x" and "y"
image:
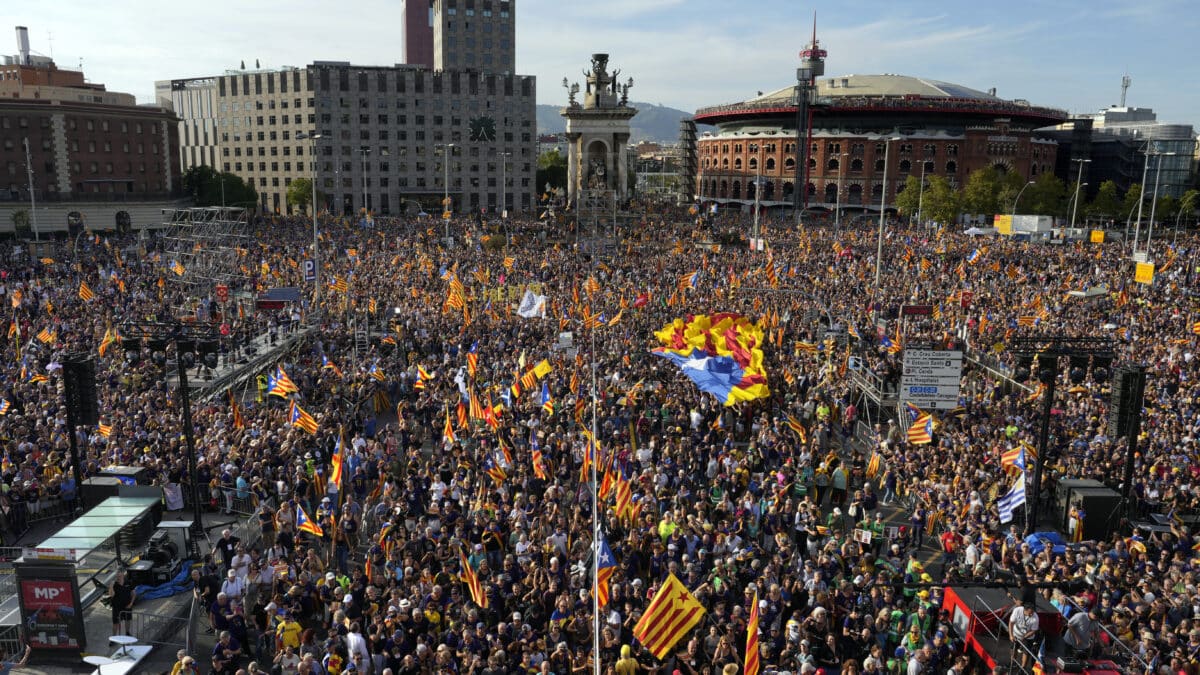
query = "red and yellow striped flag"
{"x": 672, "y": 613}
{"x": 85, "y": 293}
{"x": 752, "y": 657}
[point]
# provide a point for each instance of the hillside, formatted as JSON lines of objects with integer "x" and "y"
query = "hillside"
{"x": 652, "y": 123}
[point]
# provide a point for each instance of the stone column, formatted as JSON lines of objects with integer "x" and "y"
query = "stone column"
{"x": 622, "y": 141}
{"x": 573, "y": 154}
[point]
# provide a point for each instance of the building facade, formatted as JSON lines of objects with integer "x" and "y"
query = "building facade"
{"x": 379, "y": 132}
{"x": 474, "y": 35}
{"x": 84, "y": 145}
{"x": 416, "y": 32}
{"x": 934, "y": 129}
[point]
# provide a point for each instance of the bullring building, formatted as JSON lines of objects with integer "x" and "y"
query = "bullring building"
{"x": 935, "y": 128}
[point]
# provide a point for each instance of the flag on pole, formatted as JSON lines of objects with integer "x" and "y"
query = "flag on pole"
{"x": 304, "y": 524}
{"x": 473, "y": 358}
{"x": 335, "y": 473}
{"x": 279, "y": 384}
{"x": 448, "y": 436}
{"x": 471, "y": 579}
{"x": 752, "y": 656}
{"x": 672, "y": 613}
{"x": 302, "y": 420}
{"x": 238, "y": 421}
{"x": 605, "y": 565}
{"x": 1012, "y": 499}
{"x": 921, "y": 431}
{"x": 547, "y": 402}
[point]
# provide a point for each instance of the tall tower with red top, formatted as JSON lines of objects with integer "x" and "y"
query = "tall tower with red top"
{"x": 812, "y": 66}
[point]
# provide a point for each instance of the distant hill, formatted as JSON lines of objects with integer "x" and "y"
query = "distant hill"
{"x": 652, "y": 123}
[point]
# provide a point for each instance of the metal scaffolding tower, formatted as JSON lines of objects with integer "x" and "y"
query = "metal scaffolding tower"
{"x": 208, "y": 243}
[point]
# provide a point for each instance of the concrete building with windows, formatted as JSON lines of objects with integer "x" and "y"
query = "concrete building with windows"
{"x": 380, "y": 133}
{"x": 83, "y": 155}
{"x": 1124, "y": 144}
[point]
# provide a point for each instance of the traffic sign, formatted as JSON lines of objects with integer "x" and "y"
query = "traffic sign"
{"x": 310, "y": 270}
{"x": 931, "y": 378}
{"x": 222, "y": 293}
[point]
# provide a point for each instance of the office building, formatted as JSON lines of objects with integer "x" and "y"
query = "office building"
{"x": 416, "y": 32}
{"x": 381, "y": 131}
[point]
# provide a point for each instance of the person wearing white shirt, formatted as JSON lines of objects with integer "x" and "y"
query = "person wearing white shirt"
{"x": 356, "y": 648}
{"x": 234, "y": 587}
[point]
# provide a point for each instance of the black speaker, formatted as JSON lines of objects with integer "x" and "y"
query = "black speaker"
{"x": 1098, "y": 504}
{"x": 1062, "y": 497}
{"x": 1125, "y": 407}
{"x": 79, "y": 379}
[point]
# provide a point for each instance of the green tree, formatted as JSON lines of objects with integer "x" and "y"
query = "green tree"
{"x": 1047, "y": 196}
{"x": 210, "y": 188}
{"x": 1187, "y": 205}
{"x": 552, "y": 170}
{"x": 21, "y": 226}
{"x": 1129, "y": 204}
{"x": 1009, "y": 190}
{"x": 909, "y": 198}
{"x": 981, "y": 194}
{"x": 1106, "y": 204}
{"x": 299, "y": 193}
{"x": 941, "y": 202}
{"x": 1166, "y": 209}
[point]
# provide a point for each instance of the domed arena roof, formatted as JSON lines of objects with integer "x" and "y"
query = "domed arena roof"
{"x": 887, "y": 85}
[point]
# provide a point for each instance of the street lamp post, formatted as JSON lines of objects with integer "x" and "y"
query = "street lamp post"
{"x": 837, "y": 208}
{"x": 887, "y": 149}
{"x": 1018, "y": 199}
{"x": 757, "y": 193}
{"x": 446, "y": 152}
{"x": 1137, "y": 228}
{"x": 504, "y": 184}
{"x": 316, "y": 234}
{"x": 316, "y": 254}
{"x": 1154, "y": 199}
{"x": 191, "y": 341}
{"x": 921, "y": 196}
{"x": 364, "y": 151}
{"x": 1078, "y": 178}
{"x": 1073, "y": 202}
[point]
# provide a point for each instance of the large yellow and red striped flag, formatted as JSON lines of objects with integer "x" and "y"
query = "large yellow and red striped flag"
{"x": 471, "y": 579}
{"x": 672, "y": 613}
{"x": 86, "y": 294}
{"x": 752, "y": 657}
{"x": 448, "y": 436}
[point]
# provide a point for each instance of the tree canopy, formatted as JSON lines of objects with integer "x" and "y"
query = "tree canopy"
{"x": 205, "y": 185}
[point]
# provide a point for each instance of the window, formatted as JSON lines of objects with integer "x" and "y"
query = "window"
{"x": 952, "y": 150}
{"x": 879, "y": 164}
{"x": 905, "y": 166}
{"x": 856, "y": 165}
{"x": 951, "y": 167}
{"x": 930, "y": 150}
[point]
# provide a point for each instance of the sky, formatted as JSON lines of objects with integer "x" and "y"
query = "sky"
{"x": 1067, "y": 54}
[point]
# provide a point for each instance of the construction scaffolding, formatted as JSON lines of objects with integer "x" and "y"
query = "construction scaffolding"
{"x": 596, "y": 213}
{"x": 203, "y": 247}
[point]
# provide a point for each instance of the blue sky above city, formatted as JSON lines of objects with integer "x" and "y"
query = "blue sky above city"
{"x": 683, "y": 53}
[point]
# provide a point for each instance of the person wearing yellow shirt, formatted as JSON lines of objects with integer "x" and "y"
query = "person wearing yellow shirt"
{"x": 666, "y": 526}
{"x": 288, "y": 632}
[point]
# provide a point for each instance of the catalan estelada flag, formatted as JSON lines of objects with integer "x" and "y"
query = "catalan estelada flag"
{"x": 302, "y": 420}
{"x": 5, "y": 405}
{"x": 304, "y": 524}
{"x": 473, "y": 358}
{"x": 672, "y": 613}
{"x": 921, "y": 431}
{"x": 279, "y": 384}
{"x": 605, "y": 565}
{"x": 752, "y": 656}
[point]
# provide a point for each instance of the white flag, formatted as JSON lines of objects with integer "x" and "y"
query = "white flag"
{"x": 1012, "y": 499}
{"x": 532, "y": 305}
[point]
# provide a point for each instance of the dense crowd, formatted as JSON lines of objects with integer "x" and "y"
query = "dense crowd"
{"x": 759, "y": 500}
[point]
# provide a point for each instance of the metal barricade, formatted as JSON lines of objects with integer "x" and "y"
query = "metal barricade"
{"x": 163, "y": 630}
{"x": 46, "y": 509}
{"x": 10, "y": 640}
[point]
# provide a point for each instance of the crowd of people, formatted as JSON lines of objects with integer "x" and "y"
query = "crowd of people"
{"x": 459, "y": 447}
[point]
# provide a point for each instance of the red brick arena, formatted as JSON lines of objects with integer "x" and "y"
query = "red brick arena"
{"x": 937, "y": 128}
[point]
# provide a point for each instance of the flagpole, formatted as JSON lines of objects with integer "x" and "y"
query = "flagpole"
{"x": 595, "y": 520}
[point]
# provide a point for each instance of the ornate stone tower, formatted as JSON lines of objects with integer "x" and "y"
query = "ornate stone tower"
{"x": 598, "y": 132}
